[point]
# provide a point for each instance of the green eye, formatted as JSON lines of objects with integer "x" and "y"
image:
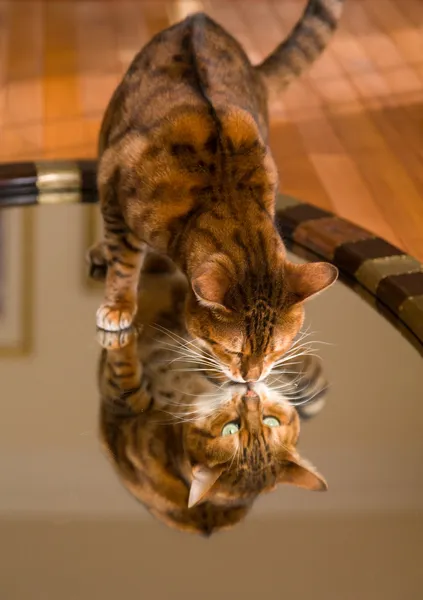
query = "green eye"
{"x": 230, "y": 429}
{"x": 271, "y": 421}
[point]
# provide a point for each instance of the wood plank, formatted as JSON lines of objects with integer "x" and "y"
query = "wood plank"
{"x": 298, "y": 175}
{"x": 390, "y": 19}
{"x": 4, "y": 49}
{"x": 99, "y": 66}
{"x": 24, "y": 69}
{"x": 346, "y": 136}
{"x": 61, "y": 91}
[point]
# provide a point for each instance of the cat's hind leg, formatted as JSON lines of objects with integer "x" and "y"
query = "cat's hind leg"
{"x": 124, "y": 253}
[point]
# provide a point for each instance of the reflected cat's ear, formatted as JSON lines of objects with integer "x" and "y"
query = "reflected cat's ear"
{"x": 203, "y": 480}
{"x": 297, "y": 471}
{"x": 304, "y": 281}
{"x": 211, "y": 283}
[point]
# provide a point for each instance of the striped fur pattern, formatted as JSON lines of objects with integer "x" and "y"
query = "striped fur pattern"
{"x": 303, "y": 46}
{"x": 162, "y": 420}
{"x": 185, "y": 169}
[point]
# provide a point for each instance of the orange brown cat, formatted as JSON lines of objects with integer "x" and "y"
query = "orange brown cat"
{"x": 195, "y": 455}
{"x": 185, "y": 169}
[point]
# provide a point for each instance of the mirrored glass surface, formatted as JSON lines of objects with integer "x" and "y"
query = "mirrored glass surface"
{"x": 97, "y": 455}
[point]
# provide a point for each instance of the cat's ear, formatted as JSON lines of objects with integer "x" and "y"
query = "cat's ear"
{"x": 203, "y": 480}
{"x": 297, "y": 471}
{"x": 211, "y": 283}
{"x": 304, "y": 281}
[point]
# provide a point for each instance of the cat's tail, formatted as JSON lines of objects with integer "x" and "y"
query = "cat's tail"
{"x": 304, "y": 44}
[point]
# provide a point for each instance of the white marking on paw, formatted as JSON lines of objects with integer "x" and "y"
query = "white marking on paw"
{"x": 112, "y": 340}
{"x": 111, "y": 318}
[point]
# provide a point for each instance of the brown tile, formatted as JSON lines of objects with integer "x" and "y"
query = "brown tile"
{"x": 324, "y": 235}
{"x": 373, "y": 271}
{"x": 23, "y": 103}
{"x": 63, "y": 134}
{"x": 61, "y": 100}
{"x": 395, "y": 290}
{"x": 349, "y": 257}
{"x": 19, "y": 141}
{"x": 95, "y": 91}
{"x": 292, "y": 217}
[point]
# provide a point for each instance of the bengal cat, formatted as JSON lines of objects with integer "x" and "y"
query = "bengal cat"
{"x": 185, "y": 169}
{"x": 195, "y": 454}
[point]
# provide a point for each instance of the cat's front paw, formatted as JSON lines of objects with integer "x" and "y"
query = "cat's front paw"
{"x": 115, "y": 317}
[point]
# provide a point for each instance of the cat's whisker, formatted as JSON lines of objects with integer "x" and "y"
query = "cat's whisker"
{"x": 184, "y": 357}
{"x": 290, "y": 385}
{"x": 236, "y": 452}
{"x": 179, "y": 339}
{"x": 179, "y": 349}
{"x": 191, "y": 416}
{"x": 296, "y": 349}
{"x": 297, "y": 362}
{"x": 286, "y": 359}
{"x": 193, "y": 361}
{"x": 303, "y": 349}
{"x": 193, "y": 356}
{"x": 201, "y": 395}
{"x": 309, "y": 398}
{"x": 197, "y": 370}
{"x": 301, "y": 336}
{"x": 283, "y": 372}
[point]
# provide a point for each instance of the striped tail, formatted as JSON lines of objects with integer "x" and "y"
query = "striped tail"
{"x": 303, "y": 46}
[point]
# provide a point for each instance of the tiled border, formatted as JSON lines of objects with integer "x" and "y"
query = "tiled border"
{"x": 48, "y": 182}
{"x": 393, "y": 278}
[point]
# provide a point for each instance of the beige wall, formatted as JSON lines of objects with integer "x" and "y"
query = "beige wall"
{"x": 300, "y": 558}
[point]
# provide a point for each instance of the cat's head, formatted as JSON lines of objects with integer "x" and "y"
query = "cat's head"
{"x": 246, "y": 447}
{"x": 249, "y": 325}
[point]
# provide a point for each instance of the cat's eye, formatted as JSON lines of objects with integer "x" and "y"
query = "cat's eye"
{"x": 230, "y": 429}
{"x": 232, "y": 352}
{"x": 271, "y": 421}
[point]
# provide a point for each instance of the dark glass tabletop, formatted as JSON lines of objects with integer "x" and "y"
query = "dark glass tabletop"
{"x": 70, "y": 529}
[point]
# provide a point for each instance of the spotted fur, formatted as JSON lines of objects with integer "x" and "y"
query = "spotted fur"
{"x": 185, "y": 169}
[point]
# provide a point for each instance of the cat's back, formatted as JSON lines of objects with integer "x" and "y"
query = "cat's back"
{"x": 193, "y": 65}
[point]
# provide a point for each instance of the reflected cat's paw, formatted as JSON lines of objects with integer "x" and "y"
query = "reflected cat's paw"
{"x": 115, "y": 317}
{"x": 115, "y": 340}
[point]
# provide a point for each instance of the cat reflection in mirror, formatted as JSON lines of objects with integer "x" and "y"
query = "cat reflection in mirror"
{"x": 185, "y": 169}
{"x": 194, "y": 450}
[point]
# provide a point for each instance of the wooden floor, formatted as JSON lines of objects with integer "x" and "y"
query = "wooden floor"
{"x": 348, "y": 136}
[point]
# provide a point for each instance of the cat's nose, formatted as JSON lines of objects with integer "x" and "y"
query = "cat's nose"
{"x": 251, "y": 400}
{"x": 253, "y": 374}
{"x": 251, "y": 370}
